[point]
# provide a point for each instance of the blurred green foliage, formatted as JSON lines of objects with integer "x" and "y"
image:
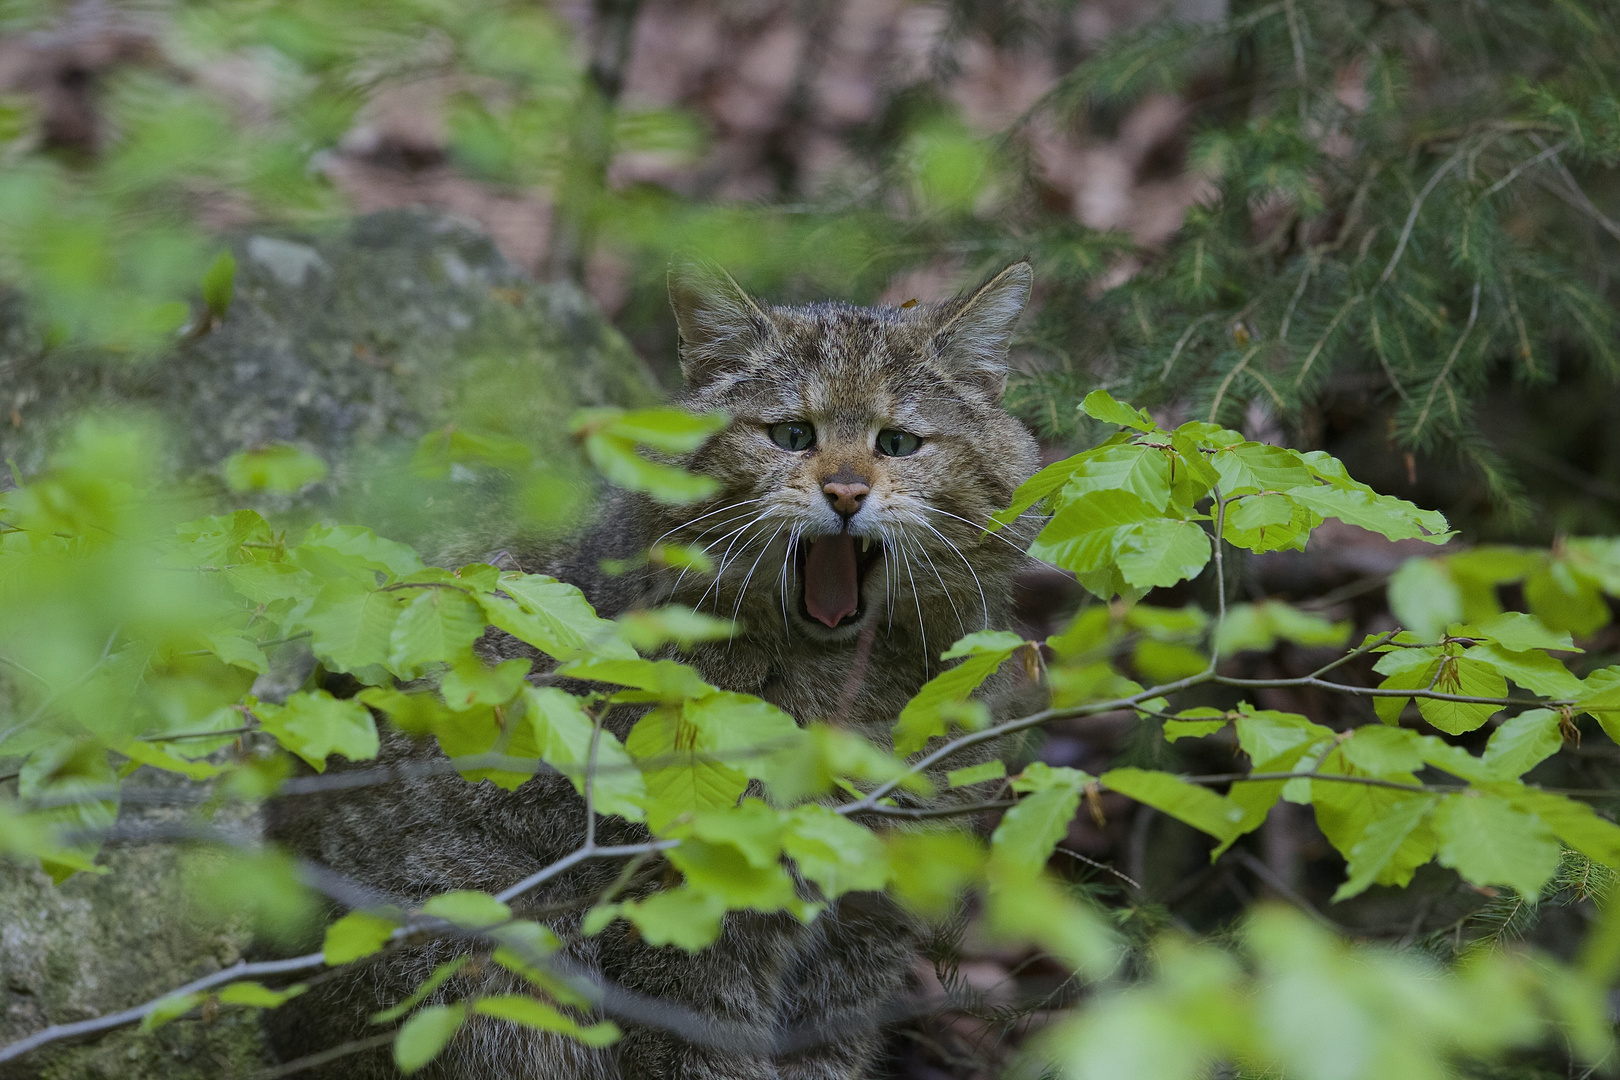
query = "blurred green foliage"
{"x": 1361, "y": 229}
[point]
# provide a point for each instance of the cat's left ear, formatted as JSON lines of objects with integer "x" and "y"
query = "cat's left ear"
{"x": 976, "y": 328}
{"x": 719, "y": 323}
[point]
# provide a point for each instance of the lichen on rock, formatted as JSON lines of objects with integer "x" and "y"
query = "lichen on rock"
{"x": 351, "y": 341}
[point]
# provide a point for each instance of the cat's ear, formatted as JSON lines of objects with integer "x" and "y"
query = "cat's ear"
{"x": 718, "y": 322}
{"x": 976, "y": 328}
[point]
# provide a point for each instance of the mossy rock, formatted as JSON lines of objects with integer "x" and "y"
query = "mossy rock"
{"x": 351, "y": 341}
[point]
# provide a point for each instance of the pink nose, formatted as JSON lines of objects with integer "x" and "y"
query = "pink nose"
{"x": 845, "y": 498}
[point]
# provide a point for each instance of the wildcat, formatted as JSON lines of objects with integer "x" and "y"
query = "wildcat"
{"x": 866, "y": 449}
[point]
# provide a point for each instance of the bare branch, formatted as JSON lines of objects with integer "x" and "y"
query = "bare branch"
{"x": 239, "y": 970}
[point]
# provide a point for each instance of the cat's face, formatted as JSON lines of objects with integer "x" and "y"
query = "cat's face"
{"x": 866, "y": 450}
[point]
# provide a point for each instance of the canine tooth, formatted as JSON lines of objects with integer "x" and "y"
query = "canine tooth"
{"x": 866, "y": 544}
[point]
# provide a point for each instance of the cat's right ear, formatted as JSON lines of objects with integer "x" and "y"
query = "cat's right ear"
{"x": 719, "y": 323}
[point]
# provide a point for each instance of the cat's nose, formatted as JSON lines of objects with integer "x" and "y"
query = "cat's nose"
{"x": 845, "y": 498}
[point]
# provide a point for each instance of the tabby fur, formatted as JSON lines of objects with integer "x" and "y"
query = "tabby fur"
{"x": 816, "y": 997}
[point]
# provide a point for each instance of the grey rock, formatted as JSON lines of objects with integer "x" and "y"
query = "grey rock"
{"x": 352, "y": 342}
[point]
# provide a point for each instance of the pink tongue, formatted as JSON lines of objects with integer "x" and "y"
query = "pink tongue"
{"x": 831, "y": 588}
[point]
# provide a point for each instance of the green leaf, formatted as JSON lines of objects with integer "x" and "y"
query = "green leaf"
{"x": 352, "y": 626}
{"x": 1523, "y": 742}
{"x": 1082, "y": 534}
{"x": 822, "y": 756}
{"x": 357, "y": 934}
{"x": 1346, "y": 814}
{"x": 984, "y": 642}
{"x": 257, "y": 995}
{"x": 1425, "y": 598}
{"x": 1251, "y": 466}
{"x": 170, "y": 1008}
{"x": 239, "y": 652}
{"x": 1039, "y": 776}
{"x": 1144, "y": 471}
{"x": 685, "y": 778}
{"x": 439, "y": 976}
{"x": 1564, "y": 600}
{"x": 666, "y": 681}
{"x": 1037, "y": 911}
{"x": 1383, "y": 751}
{"x": 928, "y": 870}
{"x": 1183, "y": 624}
{"x": 159, "y": 758}
{"x": 1158, "y": 554}
{"x": 1534, "y": 670}
{"x": 424, "y": 1035}
{"x": 649, "y": 630}
{"x": 1252, "y": 512}
{"x": 435, "y": 626}
{"x": 1161, "y": 662}
{"x": 1486, "y": 840}
{"x": 926, "y": 714}
{"x": 1265, "y": 734}
{"x": 555, "y": 618}
{"x": 1381, "y": 842}
{"x": 1261, "y": 625}
{"x": 616, "y": 459}
{"x": 744, "y": 730}
{"x": 438, "y": 452}
{"x": 994, "y": 769}
{"x": 1036, "y": 488}
{"x": 468, "y": 909}
{"x": 1516, "y": 632}
{"x": 1575, "y": 823}
{"x": 314, "y": 725}
{"x": 277, "y": 467}
{"x": 1100, "y": 405}
{"x": 562, "y": 730}
{"x": 672, "y": 431}
{"x": 1197, "y": 806}
{"x": 346, "y": 546}
{"x": 832, "y": 851}
{"x": 1469, "y": 678}
{"x": 1030, "y": 830}
{"x": 530, "y": 1013}
{"x": 1418, "y": 669}
{"x": 219, "y": 283}
{"x": 734, "y": 854}
{"x": 470, "y": 682}
{"x": 1191, "y": 729}
{"x": 683, "y": 917}
{"x": 1386, "y": 515}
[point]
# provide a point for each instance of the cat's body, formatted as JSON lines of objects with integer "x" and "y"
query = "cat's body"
{"x": 866, "y": 449}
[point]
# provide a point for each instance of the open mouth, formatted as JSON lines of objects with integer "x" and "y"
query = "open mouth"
{"x": 833, "y": 569}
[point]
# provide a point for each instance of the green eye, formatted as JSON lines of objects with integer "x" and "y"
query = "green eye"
{"x": 793, "y": 435}
{"x": 895, "y": 443}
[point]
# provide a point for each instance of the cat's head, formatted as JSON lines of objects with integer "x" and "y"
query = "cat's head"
{"x": 866, "y": 451}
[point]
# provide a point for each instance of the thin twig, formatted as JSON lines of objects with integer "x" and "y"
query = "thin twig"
{"x": 309, "y": 1061}
{"x": 1285, "y": 890}
{"x": 1514, "y": 173}
{"x": 1412, "y": 216}
{"x": 1456, "y": 350}
{"x": 239, "y": 970}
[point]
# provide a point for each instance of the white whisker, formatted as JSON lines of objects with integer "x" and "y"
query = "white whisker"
{"x": 979, "y": 526}
{"x": 787, "y": 557}
{"x": 982, "y": 600}
{"x": 700, "y": 517}
{"x": 728, "y": 559}
{"x": 709, "y": 546}
{"x": 737, "y": 607}
{"x": 960, "y": 622}
{"x": 917, "y": 599}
